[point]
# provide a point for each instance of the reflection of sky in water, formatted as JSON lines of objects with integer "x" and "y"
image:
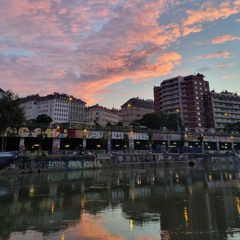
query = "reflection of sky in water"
{"x": 108, "y": 224}
{"x": 167, "y": 204}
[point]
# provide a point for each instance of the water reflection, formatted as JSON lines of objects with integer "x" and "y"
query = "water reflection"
{"x": 162, "y": 203}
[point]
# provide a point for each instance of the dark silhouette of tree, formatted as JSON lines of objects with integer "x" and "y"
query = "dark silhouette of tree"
{"x": 43, "y": 118}
{"x": 158, "y": 120}
{"x": 11, "y": 115}
{"x": 126, "y": 140}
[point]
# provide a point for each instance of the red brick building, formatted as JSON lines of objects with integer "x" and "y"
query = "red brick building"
{"x": 188, "y": 97}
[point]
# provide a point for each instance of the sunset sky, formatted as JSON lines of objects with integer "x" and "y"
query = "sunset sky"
{"x": 108, "y": 51}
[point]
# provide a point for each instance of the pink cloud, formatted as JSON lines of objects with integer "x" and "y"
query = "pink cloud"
{"x": 223, "y": 39}
{"x": 82, "y": 49}
{"x": 210, "y": 12}
{"x": 220, "y": 54}
{"x": 231, "y": 76}
{"x": 218, "y": 40}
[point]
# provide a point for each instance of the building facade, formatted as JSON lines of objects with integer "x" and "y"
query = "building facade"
{"x": 134, "y": 109}
{"x": 61, "y": 108}
{"x": 188, "y": 98}
{"x": 102, "y": 115}
{"x": 226, "y": 108}
{"x": 2, "y": 93}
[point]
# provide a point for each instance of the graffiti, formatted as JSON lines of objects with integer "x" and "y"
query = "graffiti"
{"x": 94, "y": 134}
{"x": 56, "y": 165}
{"x": 117, "y": 135}
{"x": 141, "y": 136}
{"x": 88, "y": 164}
{"x": 75, "y": 164}
{"x": 98, "y": 164}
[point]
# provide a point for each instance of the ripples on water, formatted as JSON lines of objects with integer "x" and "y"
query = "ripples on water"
{"x": 178, "y": 203}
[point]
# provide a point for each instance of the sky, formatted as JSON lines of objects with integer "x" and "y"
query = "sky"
{"x": 108, "y": 51}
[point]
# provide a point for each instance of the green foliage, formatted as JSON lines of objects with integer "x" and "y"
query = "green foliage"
{"x": 41, "y": 121}
{"x": 43, "y": 118}
{"x": 108, "y": 124}
{"x": 233, "y": 127}
{"x": 150, "y": 137}
{"x": 120, "y": 124}
{"x": 126, "y": 139}
{"x": 11, "y": 115}
{"x": 158, "y": 120}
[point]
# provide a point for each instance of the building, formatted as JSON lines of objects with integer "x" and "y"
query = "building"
{"x": 134, "y": 109}
{"x": 2, "y": 93}
{"x": 102, "y": 115}
{"x": 188, "y": 98}
{"x": 61, "y": 108}
{"x": 29, "y": 105}
{"x": 226, "y": 108}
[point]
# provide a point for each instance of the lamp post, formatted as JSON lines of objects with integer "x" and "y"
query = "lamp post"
{"x": 177, "y": 111}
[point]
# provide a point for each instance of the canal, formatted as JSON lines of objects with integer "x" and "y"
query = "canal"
{"x": 167, "y": 203}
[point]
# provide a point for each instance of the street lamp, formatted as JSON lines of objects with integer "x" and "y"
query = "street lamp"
{"x": 177, "y": 111}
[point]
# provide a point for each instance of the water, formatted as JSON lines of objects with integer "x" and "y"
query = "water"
{"x": 168, "y": 203}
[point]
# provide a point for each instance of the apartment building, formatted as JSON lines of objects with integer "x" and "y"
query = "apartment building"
{"x": 2, "y": 93}
{"x": 102, "y": 115}
{"x": 134, "y": 109}
{"x": 188, "y": 98}
{"x": 226, "y": 108}
{"x": 61, "y": 108}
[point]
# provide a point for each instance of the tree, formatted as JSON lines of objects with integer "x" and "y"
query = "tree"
{"x": 11, "y": 115}
{"x": 109, "y": 125}
{"x": 233, "y": 127}
{"x": 43, "y": 118}
{"x": 150, "y": 139}
{"x": 125, "y": 140}
{"x": 158, "y": 120}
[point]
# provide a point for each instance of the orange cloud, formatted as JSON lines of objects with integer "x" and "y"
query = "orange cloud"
{"x": 231, "y": 76}
{"x": 210, "y": 12}
{"x": 218, "y": 40}
{"x": 220, "y": 54}
{"x": 223, "y": 39}
{"x": 82, "y": 49}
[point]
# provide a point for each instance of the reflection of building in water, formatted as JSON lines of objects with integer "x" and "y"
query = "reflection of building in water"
{"x": 172, "y": 196}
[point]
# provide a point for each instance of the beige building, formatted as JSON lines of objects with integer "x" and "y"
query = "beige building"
{"x": 134, "y": 109}
{"x": 226, "y": 108}
{"x": 102, "y": 115}
{"x": 62, "y": 108}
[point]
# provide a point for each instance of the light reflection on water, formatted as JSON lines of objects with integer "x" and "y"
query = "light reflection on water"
{"x": 163, "y": 203}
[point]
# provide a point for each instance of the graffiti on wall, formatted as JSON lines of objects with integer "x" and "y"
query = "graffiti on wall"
{"x": 58, "y": 165}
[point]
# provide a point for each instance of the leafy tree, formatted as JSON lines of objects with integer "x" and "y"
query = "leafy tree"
{"x": 108, "y": 124}
{"x": 150, "y": 139}
{"x": 126, "y": 140}
{"x": 158, "y": 120}
{"x": 120, "y": 124}
{"x": 97, "y": 125}
{"x": 43, "y": 118}
{"x": 11, "y": 115}
{"x": 232, "y": 127}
